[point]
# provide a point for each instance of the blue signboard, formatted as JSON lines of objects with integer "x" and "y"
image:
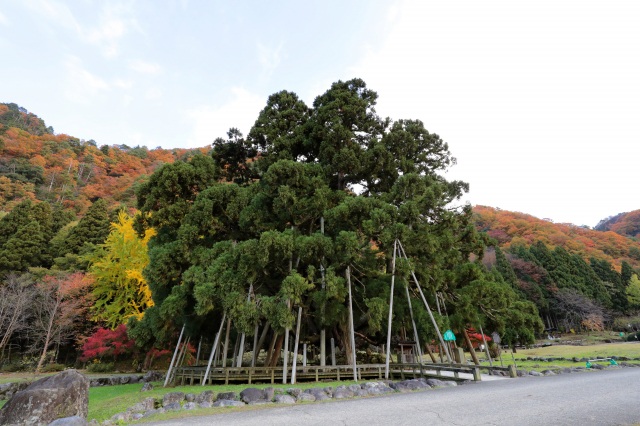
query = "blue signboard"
{"x": 449, "y": 336}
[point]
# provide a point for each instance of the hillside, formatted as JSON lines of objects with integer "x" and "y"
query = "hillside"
{"x": 626, "y": 224}
{"x": 37, "y": 164}
{"x": 512, "y": 229}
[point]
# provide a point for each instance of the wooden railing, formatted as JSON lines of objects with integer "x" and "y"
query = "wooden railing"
{"x": 195, "y": 375}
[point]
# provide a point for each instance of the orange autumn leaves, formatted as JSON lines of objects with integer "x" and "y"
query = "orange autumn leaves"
{"x": 512, "y": 228}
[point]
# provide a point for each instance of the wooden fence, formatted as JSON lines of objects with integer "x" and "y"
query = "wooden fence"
{"x": 217, "y": 375}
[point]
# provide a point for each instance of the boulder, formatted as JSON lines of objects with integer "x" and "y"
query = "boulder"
{"x": 146, "y": 387}
{"x": 190, "y": 406}
{"x": 269, "y": 393}
{"x": 409, "y": 385}
{"x": 190, "y": 397}
{"x": 205, "y": 396}
{"x": 69, "y": 421}
{"x": 284, "y": 399}
{"x": 172, "y": 397}
{"x": 121, "y": 417}
{"x": 342, "y": 392}
{"x": 152, "y": 376}
{"x": 143, "y": 406}
{"x": 7, "y": 390}
{"x": 205, "y": 404}
{"x": 294, "y": 392}
{"x": 64, "y": 395}
{"x": 319, "y": 394}
{"x": 228, "y": 403}
{"x": 172, "y": 406}
{"x": 376, "y": 388}
{"x": 252, "y": 395}
{"x": 535, "y": 373}
{"x": 228, "y": 396}
{"x": 305, "y": 397}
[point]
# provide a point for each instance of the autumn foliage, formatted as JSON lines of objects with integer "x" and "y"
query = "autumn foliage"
{"x": 107, "y": 343}
{"x": 512, "y": 229}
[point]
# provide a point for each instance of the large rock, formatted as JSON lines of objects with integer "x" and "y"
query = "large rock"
{"x": 251, "y": 395}
{"x": 64, "y": 395}
{"x": 172, "y": 398}
{"x": 69, "y": 421}
{"x": 152, "y": 376}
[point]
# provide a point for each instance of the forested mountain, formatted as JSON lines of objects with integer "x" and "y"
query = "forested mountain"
{"x": 39, "y": 165}
{"x": 514, "y": 229}
{"x": 626, "y": 224}
{"x": 577, "y": 277}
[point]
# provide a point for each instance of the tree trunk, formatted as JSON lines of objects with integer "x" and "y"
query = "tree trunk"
{"x": 263, "y": 337}
{"x": 275, "y": 356}
{"x": 270, "y": 349}
{"x": 471, "y": 350}
{"x": 47, "y": 339}
{"x": 433, "y": 358}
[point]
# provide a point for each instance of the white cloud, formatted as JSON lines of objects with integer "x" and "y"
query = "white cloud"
{"x": 269, "y": 58}
{"x": 153, "y": 94}
{"x": 3, "y": 19}
{"x": 56, "y": 12}
{"x": 115, "y": 20}
{"x": 123, "y": 84}
{"x": 145, "y": 67}
{"x": 209, "y": 123}
{"x": 82, "y": 85}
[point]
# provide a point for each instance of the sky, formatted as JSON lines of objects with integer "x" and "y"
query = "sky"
{"x": 539, "y": 101}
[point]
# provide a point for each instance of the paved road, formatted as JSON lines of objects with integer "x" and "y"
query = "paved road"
{"x": 590, "y": 398}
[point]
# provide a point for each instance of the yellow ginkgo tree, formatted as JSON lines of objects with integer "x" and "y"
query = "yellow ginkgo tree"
{"x": 120, "y": 290}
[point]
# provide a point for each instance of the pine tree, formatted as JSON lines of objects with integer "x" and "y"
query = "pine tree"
{"x": 24, "y": 249}
{"x": 93, "y": 228}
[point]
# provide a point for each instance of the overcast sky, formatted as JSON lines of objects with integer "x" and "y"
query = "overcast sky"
{"x": 538, "y": 100}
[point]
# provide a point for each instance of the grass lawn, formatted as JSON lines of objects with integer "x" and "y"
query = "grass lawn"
{"x": 105, "y": 401}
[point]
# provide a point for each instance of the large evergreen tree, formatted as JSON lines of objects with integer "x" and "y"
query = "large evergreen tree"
{"x": 257, "y": 248}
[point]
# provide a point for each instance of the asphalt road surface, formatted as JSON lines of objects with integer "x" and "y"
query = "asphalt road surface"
{"x": 610, "y": 397}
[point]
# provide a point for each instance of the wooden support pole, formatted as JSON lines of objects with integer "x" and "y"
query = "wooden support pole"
{"x": 240, "y": 351}
{"x": 285, "y": 357}
{"x": 198, "y": 353}
{"x": 351, "y": 327}
{"x": 486, "y": 347}
{"x": 333, "y": 352}
{"x": 295, "y": 351}
{"x": 183, "y": 352}
{"x": 226, "y": 344}
{"x": 471, "y": 350}
{"x": 426, "y": 305}
{"x": 213, "y": 349}
{"x": 304, "y": 354}
{"x": 415, "y": 329}
{"x": 173, "y": 359}
{"x": 323, "y": 333}
{"x": 393, "y": 279}
{"x": 255, "y": 346}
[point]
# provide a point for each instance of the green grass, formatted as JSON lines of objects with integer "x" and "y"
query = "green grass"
{"x": 105, "y": 401}
{"x": 591, "y": 351}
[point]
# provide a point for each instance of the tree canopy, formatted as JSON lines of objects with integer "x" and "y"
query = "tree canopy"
{"x": 273, "y": 221}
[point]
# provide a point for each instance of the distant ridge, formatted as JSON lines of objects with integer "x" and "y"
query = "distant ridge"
{"x": 627, "y": 224}
{"x": 511, "y": 229}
